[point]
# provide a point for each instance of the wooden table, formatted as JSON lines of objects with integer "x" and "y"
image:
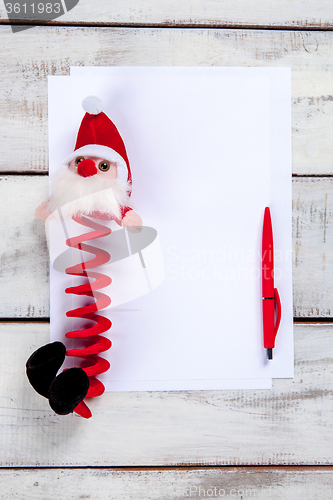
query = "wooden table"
{"x": 167, "y": 445}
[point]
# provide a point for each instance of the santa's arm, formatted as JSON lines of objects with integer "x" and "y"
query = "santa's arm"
{"x": 42, "y": 212}
{"x": 130, "y": 218}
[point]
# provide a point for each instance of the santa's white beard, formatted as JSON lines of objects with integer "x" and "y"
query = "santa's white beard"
{"x": 74, "y": 194}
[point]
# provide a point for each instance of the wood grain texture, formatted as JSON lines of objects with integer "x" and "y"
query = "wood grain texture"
{"x": 291, "y": 424}
{"x": 52, "y": 50}
{"x": 252, "y": 13}
{"x": 24, "y": 262}
{"x": 107, "y": 484}
{"x": 313, "y": 247}
{"x": 24, "y": 256}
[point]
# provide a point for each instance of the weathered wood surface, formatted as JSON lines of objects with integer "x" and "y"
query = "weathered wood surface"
{"x": 107, "y": 484}
{"x": 24, "y": 256}
{"x": 251, "y": 13}
{"x": 52, "y": 50}
{"x": 313, "y": 247}
{"x": 291, "y": 424}
{"x": 24, "y": 261}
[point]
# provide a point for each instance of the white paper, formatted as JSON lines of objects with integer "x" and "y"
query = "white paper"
{"x": 209, "y": 148}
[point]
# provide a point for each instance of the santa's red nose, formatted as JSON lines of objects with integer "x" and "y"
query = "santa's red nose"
{"x": 87, "y": 168}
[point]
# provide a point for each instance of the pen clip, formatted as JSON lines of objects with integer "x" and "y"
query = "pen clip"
{"x": 277, "y": 303}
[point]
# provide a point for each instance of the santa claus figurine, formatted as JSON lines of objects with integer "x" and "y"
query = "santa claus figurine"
{"x": 95, "y": 181}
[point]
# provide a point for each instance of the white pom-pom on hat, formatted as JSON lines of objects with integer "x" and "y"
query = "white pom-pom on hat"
{"x": 92, "y": 105}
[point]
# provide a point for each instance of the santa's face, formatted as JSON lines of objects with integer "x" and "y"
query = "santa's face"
{"x": 88, "y": 166}
{"x": 89, "y": 184}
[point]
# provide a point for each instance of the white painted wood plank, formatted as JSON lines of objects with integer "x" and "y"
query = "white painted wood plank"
{"x": 313, "y": 247}
{"x": 31, "y": 55}
{"x": 251, "y": 13}
{"x": 24, "y": 262}
{"x": 291, "y": 424}
{"x": 24, "y": 256}
{"x": 107, "y": 484}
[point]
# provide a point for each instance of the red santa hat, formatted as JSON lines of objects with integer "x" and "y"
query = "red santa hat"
{"x": 98, "y": 136}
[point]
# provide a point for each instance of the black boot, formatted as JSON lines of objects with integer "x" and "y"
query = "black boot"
{"x": 67, "y": 390}
{"x": 43, "y": 366}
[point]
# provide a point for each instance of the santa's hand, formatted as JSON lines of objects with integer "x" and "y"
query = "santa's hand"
{"x": 42, "y": 212}
{"x": 132, "y": 221}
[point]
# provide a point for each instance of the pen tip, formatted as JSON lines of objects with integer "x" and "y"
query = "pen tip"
{"x": 269, "y": 353}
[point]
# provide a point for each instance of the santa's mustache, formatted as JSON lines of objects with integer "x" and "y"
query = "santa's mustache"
{"x": 75, "y": 195}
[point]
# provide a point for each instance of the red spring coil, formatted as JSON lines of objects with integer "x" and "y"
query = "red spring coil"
{"x": 93, "y": 364}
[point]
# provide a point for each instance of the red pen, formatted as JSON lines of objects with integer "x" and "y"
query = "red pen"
{"x": 271, "y": 304}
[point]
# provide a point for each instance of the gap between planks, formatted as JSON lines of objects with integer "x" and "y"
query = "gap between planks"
{"x": 168, "y": 25}
{"x": 146, "y": 468}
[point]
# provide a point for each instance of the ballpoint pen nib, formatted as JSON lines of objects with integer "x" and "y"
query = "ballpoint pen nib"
{"x": 269, "y": 353}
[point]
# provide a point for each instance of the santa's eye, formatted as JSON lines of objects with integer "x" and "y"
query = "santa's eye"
{"x": 78, "y": 160}
{"x": 104, "y": 166}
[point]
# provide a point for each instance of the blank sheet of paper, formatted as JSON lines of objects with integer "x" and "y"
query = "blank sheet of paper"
{"x": 206, "y": 148}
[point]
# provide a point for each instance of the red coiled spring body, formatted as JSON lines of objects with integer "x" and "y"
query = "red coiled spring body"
{"x": 93, "y": 364}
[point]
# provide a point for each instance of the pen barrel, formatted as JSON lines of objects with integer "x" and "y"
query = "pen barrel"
{"x": 267, "y": 262}
{"x": 268, "y": 322}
